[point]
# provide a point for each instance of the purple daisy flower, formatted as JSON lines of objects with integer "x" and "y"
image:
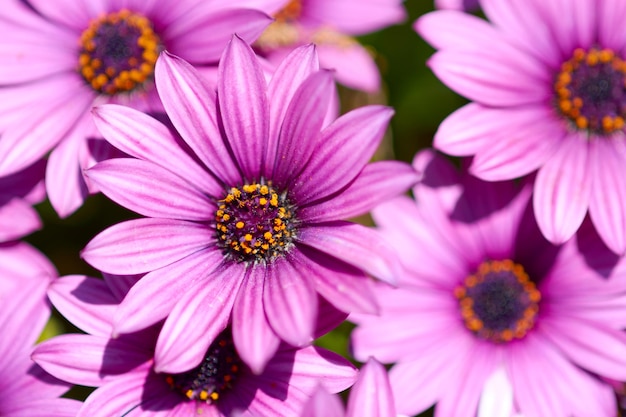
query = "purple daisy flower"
{"x": 483, "y": 289}
{"x": 548, "y": 83}
{"x": 332, "y": 25}
{"x": 370, "y": 396}
{"x": 25, "y": 388}
{"x": 128, "y": 385}
{"x": 245, "y": 214}
{"x": 61, "y": 58}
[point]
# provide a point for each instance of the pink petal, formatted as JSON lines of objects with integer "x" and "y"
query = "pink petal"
{"x": 451, "y": 29}
{"x": 591, "y": 345}
{"x": 611, "y": 14}
{"x": 243, "y": 106}
{"x": 356, "y": 245}
{"x": 254, "y": 339}
{"x": 379, "y": 181}
{"x": 142, "y": 245}
{"x": 150, "y": 190}
{"x": 481, "y": 78}
{"x": 348, "y": 144}
{"x": 371, "y": 394}
{"x": 155, "y": 295}
{"x": 86, "y": 302}
{"x": 12, "y": 211}
{"x": 355, "y": 17}
{"x": 562, "y": 190}
{"x": 196, "y": 320}
{"x": 344, "y": 286}
{"x": 202, "y": 36}
{"x": 143, "y": 137}
{"x": 87, "y": 360}
{"x": 607, "y": 207}
{"x": 290, "y": 74}
{"x": 74, "y": 14}
{"x": 302, "y": 124}
{"x": 24, "y": 143}
{"x": 290, "y": 303}
{"x": 191, "y": 106}
{"x": 353, "y": 65}
{"x": 43, "y": 407}
{"x": 323, "y": 404}
{"x": 64, "y": 177}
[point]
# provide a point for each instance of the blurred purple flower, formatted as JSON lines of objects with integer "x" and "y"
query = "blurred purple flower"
{"x": 246, "y": 212}
{"x": 128, "y": 385}
{"x": 483, "y": 289}
{"x": 331, "y": 25}
{"x": 370, "y": 396}
{"x": 549, "y": 92}
{"x": 25, "y": 388}
{"x": 61, "y": 58}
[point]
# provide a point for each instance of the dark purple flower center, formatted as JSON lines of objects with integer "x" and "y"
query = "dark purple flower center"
{"x": 118, "y": 52}
{"x": 215, "y": 375}
{"x": 498, "y": 302}
{"x": 591, "y": 90}
{"x": 255, "y": 223}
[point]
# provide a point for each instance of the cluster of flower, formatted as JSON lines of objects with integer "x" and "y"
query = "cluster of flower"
{"x": 489, "y": 291}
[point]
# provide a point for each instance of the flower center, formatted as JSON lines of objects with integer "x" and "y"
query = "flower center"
{"x": 215, "y": 375}
{"x": 498, "y": 302}
{"x": 118, "y": 52}
{"x": 290, "y": 12}
{"x": 255, "y": 223}
{"x": 591, "y": 90}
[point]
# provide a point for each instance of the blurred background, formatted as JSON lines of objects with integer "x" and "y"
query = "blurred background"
{"x": 420, "y": 101}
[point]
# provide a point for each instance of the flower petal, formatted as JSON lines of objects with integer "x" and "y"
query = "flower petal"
{"x": 144, "y": 137}
{"x": 290, "y": 74}
{"x": 155, "y": 295}
{"x": 43, "y": 407}
{"x": 142, "y": 245}
{"x": 348, "y": 144}
{"x": 371, "y": 394}
{"x": 481, "y": 78}
{"x": 11, "y": 229}
{"x": 86, "y": 302}
{"x": 254, "y": 339}
{"x": 379, "y": 181}
{"x": 607, "y": 207}
{"x": 323, "y": 404}
{"x": 196, "y": 320}
{"x": 243, "y": 106}
{"x": 290, "y": 303}
{"x": 26, "y": 141}
{"x": 191, "y": 106}
{"x": 188, "y": 37}
{"x": 355, "y": 244}
{"x": 150, "y": 190}
{"x": 88, "y": 360}
{"x": 300, "y": 129}
{"x": 353, "y": 64}
{"x": 344, "y": 286}
{"x": 562, "y": 190}
{"x": 590, "y": 345}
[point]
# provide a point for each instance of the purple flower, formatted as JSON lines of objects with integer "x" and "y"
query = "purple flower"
{"x": 222, "y": 385}
{"x": 25, "y": 388}
{"x": 370, "y": 396}
{"x": 245, "y": 213}
{"x": 482, "y": 289}
{"x": 61, "y": 58}
{"x": 332, "y": 26}
{"x": 548, "y": 85}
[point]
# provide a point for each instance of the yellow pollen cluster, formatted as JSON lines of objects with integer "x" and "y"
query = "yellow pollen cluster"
{"x": 466, "y": 302}
{"x": 253, "y": 222}
{"x": 111, "y": 79}
{"x": 328, "y": 36}
{"x": 571, "y": 104}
